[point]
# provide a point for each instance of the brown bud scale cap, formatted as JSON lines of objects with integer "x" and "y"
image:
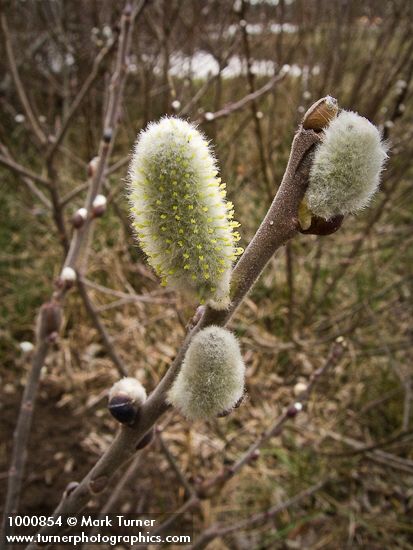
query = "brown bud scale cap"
{"x": 320, "y": 114}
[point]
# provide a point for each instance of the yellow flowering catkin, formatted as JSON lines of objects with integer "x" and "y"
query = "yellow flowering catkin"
{"x": 180, "y": 214}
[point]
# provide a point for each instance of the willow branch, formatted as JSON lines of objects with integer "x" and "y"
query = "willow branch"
{"x": 279, "y": 225}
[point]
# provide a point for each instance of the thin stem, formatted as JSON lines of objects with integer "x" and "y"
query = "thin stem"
{"x": 246, "y": 100}
{"x": 216, "y": 483}
{"x": 175, "y": 466}
{"x": 22, "y": 430}
{"x": 254, "y": 110}
{"x": 27, "y": 176}
{"x": 79, "y": 98}
{"x": 125, "y": 480}
{"x": 290, "y": 286}
{"x": 106, "y": 339}
{"x": 219, "y": 530}
{"x": 38, "y": 132}
{"x": 24, "y": 172}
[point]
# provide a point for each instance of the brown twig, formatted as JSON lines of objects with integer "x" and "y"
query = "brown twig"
{"x": 74, "y": 193}
{"x": 253, "y": 104}
{"x": 175, "y": 467}
{"x": 246, "y": 100}
{"x": 56, "y": 140}
{"x": 221, "y": 530}
{"x": 377, "y": 455}
{"x": 8, "y": 162}
{"x": 106, "y": 339}
{"x": 125, "y": 480}
{"x": 22, "y": 431}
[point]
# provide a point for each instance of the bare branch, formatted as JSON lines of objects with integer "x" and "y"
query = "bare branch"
{"x": 107, "y": 341}
{"x": 19, "y": 85}
{"x": 56, "y": 140}
{"x": 219, "y": 530}
{"x": 11, "y": 164}
{"x": 240, "y": 104}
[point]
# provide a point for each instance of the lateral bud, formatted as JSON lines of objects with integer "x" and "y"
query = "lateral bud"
{"x": 294, "y": 409}
{"x": 48, "y": 321}
{"x": 67, "y": 277}
{"x": 126, "y": 397}
{"x": 92, "y": 167}
{"x": 72, "y": 486}
{"x": 79, "y": 218}
{"x": 107, "y": 135}
{"x": 99, "y": 206}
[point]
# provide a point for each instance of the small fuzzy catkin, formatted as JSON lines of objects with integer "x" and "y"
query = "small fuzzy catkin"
{"x": 347, "y": 164}
{"x": 181, "y": 217}
{"x": 211, "y": 379}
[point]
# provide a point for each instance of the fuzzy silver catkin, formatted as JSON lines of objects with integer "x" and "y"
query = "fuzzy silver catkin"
{"x": 347, "y": 164}
{"x": 181, "y": 217}
{"x": 211, "y": 379}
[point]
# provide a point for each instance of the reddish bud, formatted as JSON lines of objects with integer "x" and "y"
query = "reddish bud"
{"x": 67, "y": 277}
{"x": 92, "y": 167}
{"x": 99, "y": 206}
{"x": 146, "y": 440}
{"x": 293, "y": 410}
{"x": 48, "y": 321}
{"x": 322, "y": 227}
{"x": 79, "y": 218}
{"x": 255, "y": 455}
{"x": 107, "y": 135}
